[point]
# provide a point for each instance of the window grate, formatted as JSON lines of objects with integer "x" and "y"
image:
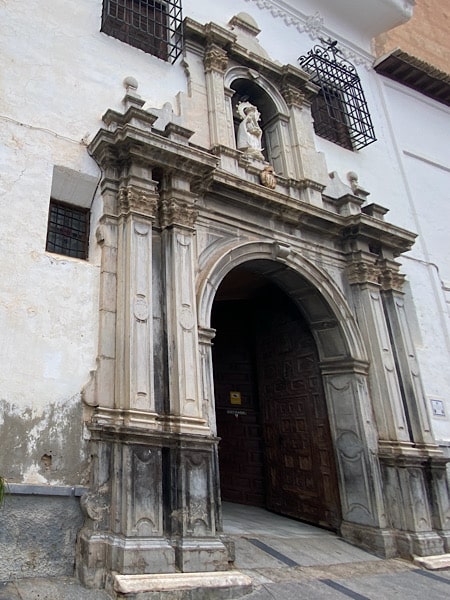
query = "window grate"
{"x": 340, "y": 110}
{"x": 154, "y": 27}
{"x": 68, "y": 230}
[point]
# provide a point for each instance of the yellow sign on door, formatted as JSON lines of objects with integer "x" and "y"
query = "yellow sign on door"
{"x": 235, "y": 398}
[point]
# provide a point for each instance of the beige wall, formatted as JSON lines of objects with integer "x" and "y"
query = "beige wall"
{"x": 425, "y": 36}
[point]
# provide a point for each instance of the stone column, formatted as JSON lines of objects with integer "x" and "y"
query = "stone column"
{"x": 405, "y": 355}
{"x": 308, "y": 164}
{"x": 363, "y": 275}
{"x": 193, "y": 452}
{"x": 125, "y": 529}
{"x": 216, "y": 62}
{"x": 206, "y": 337}
{"x": 134, "y": 380}
{"x": 178, "y": 216}
{"x": 419, "y": 480}
{"x": 355, "y": 438}
{"x": 440, "y": 498}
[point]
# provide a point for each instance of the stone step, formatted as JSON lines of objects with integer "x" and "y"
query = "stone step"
{"x": 219, "y": 585}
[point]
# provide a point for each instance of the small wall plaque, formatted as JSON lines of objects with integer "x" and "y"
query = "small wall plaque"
{"x": 438, "y": 408}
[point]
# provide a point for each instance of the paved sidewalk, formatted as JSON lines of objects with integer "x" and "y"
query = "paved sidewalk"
{"x": 286, "y": 560}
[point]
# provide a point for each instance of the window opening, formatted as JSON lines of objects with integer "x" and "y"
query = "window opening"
{"x": 68, "y": 230}
{"x": 154, "y": 27}
{"x": 340, "y": 110}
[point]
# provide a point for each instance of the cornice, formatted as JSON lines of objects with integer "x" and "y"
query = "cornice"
{"x": 129, "y": 139}
{"x": 342, "y": 228}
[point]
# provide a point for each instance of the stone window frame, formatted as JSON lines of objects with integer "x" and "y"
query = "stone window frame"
{"x": 152, "y": 26}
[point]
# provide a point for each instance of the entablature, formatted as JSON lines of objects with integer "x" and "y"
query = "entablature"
{"x": 130, "y": 150}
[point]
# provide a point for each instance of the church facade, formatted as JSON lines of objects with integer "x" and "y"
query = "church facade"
{"x": 233, "y": 322}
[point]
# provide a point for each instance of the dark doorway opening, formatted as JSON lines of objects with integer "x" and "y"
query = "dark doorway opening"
{"x": 276, "y": 449}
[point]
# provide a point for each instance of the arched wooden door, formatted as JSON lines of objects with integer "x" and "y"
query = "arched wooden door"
{"x": 276, "y": 449}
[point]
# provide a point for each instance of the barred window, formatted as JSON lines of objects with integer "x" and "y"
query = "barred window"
{"x": 154, "y": 27}
{"x": 340, "y": 110}
{"x": 68, "y": 230}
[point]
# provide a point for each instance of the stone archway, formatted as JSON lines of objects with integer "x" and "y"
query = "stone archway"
{"x": 343, "y": 366}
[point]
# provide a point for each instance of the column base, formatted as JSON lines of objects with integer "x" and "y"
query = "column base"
{"x": 410, "y": 545}
{"x": 202, "y": 555}
{"x": 100, "y": 554}
{"x": 381, "y": 542}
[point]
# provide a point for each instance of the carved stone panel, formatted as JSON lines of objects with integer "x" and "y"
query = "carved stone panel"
{"x": 358, "y": 471}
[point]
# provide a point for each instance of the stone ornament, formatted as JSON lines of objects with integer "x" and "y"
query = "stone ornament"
{"x": 268, "y": 178}
{"x": 249, "y": 132}
{"x": 216, "y": 59}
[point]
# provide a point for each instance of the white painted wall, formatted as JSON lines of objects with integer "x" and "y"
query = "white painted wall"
{"x": 60, "y": 73}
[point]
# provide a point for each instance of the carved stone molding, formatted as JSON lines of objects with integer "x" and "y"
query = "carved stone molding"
{"x": 132, "y": 199}
{"x": 268, "y": 178}
{"x": 363, "y": 272}
{"x": 215, "y": 59}
{"x": 177, "y": 212}
{"x": 390, "y": 277}
{"x": 294, "y": 97}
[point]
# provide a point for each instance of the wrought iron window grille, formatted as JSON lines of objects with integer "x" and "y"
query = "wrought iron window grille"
{"x": 68, "y": 230}
{"x": 154, "y": 27}
{"x": 340, "y": 110}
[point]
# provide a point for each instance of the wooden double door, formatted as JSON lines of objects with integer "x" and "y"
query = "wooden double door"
{"x": 276, "y": 449}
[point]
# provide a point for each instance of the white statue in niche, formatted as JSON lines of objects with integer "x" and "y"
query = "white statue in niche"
{"x": 249, "y": 132}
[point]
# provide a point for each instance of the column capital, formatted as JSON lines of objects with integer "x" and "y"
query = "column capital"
{"x": 363, "y": 269}
{"x": 215, "y": 59}
{"x": 176, "y": 211}
{"x": 390, "y": 277}
{"x": 293, "y": 96}
{"x": 137, "y": 200}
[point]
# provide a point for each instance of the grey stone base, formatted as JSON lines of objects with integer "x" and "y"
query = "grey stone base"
{"x": 410, "y": 545}
{"x": 102, "y": 553}
{"x": 201, "y": 555}
{"x": 180, "y": 586}
{"x": 379, "y": 541}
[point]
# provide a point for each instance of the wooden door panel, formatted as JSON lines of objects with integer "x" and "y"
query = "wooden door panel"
{"x": 299, "y": 451}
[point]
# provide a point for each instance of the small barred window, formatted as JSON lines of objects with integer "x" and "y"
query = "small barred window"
{"x": 68, "y": 230}
{"x": 340, "y": 110}
{"x": 154, "y": 27}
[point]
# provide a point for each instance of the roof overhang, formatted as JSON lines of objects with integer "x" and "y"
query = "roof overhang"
{"x": 416, "y": 74}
